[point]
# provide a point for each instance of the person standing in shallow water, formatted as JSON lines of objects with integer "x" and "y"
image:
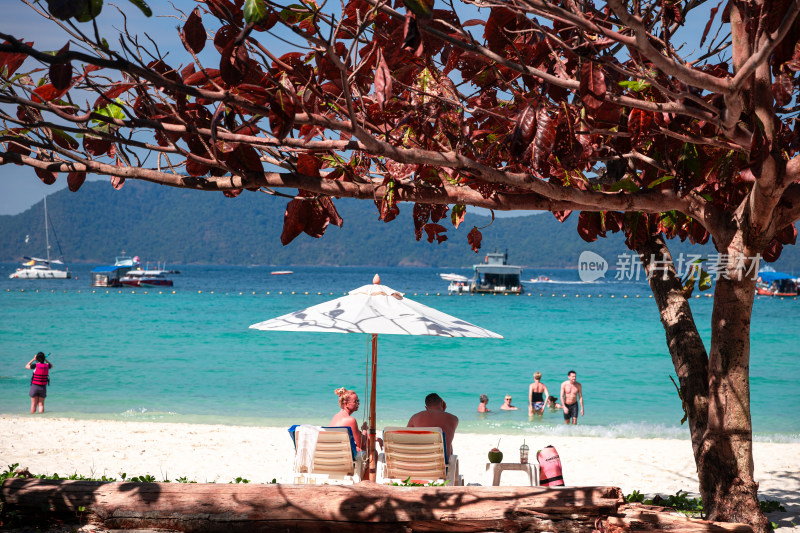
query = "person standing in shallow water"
{"x": 41, "y": 378}
{"x": 537, "y": 392}
{"x": 571, "y": 395}
{"x": 482, "y": 406}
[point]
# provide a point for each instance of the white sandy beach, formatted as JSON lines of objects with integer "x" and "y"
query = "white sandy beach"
{"x": 206, "y": 453}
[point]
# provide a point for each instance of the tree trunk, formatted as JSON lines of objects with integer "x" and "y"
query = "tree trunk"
{"x": 715, "y": 388}
{"x": 363, "y": 507}
{"x": 725, "y": 465}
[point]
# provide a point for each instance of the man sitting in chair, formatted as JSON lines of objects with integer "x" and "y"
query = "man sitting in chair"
{"x": 434, "y": 416}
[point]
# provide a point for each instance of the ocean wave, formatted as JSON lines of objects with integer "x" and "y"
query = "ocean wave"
{"x": 142, "y": 413}
{"x": 625, "y": 430}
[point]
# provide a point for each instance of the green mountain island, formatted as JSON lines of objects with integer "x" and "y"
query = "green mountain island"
{"x": 189, "y": 227}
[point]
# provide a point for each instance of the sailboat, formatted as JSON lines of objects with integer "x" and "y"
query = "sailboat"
{"x": 38, "y": 268}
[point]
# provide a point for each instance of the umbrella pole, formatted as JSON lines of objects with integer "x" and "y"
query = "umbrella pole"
{"x": 372, "y": 454}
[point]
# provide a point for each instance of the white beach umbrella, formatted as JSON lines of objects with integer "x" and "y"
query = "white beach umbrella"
{"x": 375, "y": 309}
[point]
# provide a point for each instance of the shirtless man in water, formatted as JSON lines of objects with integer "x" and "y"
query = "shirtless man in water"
{"x": 571, "y": 394}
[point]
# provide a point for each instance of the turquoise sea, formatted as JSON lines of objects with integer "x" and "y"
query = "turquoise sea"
{"x": 185, "y": 354}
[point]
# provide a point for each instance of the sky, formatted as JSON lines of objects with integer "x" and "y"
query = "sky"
{"x": 19, "y": 186}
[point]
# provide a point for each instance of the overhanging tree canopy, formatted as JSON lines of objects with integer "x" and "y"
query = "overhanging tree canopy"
{"x": 562, "y": 106}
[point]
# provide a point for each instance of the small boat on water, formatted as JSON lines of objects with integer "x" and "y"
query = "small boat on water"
{"x": 146, "y": 278}
{"x": 111, "y": 276}
{"x": 771, "y": 283}
{"x": 38, "y": 268}
{"x": 494, "y": 275}
{"x": 453, "y": 277}
{"x": 281, "y": 272}
{"x": 539, "y": 279}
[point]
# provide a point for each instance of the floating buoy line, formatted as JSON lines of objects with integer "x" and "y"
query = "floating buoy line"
{"x": 320, "y": 293}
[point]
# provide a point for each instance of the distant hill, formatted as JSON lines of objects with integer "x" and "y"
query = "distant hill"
{"x": 190, "y": 227}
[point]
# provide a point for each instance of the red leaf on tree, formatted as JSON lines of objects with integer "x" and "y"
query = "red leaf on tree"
{"x": 561, "y": 216}
{"x": 457, "y": 215}
{"x": 773, "y": 251}
{"x": 194, "y": 33}
{"x": 109, "y": 96}
{"x": 47, "y": 177}
{"x": 225, "y": 36}
{"x": 195, "y": 168}
{"x": 697, "y": 233}
{"x": 383, "y": 81}
{"x": 333, "y": 214}
{"x": 232, "y": 193}
{"x": 18, "y": 148}
{"x": 12, "y": 60}
{"x": 309, "y": 165}
{"x": 226, "y": 10}
{"x": 709, "y": 23}
{"x": 117, "y": 182}
{"x": 474, "y": 239}
{"x": 412, "y": 37}
{"x": 590, "y": 225}
{"x": 421, "y": 214}
{"x": 234, "y": 63}
{"x": 201, "y": 77}
{"x": 293, "y": 220}
{"x": 61, "y": 73}
{"x": 639, "y": 122}
{"x": 75, "y": 180}
{"x": 436, "y": 231}
{"x": 794, "y": 62}
{"x": 388, "y": 210}
{"x": 782, "y": 89}
{"x": 47, "y": 93}
{"x": 311, "y": 216}
{"x": 592, "y": 87}
{"x": 524, "y": 130}
{"x": 317, "y": 219}
{"x": 63, "y": 140}
{"x": 545, "y": 138}
{"x": 438, "y": 211}
{"x": 282, "y": 110}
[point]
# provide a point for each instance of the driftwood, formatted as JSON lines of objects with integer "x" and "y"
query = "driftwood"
{"x": 365, "y": 507}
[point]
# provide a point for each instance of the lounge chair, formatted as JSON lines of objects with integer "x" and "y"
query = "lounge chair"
{"x": 417, "y": 454}
{"x": 326, "y": 455}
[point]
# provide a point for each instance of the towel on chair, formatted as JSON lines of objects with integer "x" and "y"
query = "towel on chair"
{"x": 305, "y": 438}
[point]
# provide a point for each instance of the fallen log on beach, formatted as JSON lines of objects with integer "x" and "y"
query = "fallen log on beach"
{"x": 364, "y": 507}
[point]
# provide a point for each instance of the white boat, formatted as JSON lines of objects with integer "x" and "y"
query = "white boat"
{"x": 38, "y": 268}
{"x": 146, "y": 278}
{"x": 281, "y": 272}
{"x": 453, "y": 277}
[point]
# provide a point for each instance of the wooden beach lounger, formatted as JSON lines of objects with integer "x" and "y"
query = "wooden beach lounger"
{"x": 419, "y": 454}
{"x": 326, "y": 455}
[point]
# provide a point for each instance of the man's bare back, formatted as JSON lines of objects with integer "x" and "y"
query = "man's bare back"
{"x": 434, "y": 415}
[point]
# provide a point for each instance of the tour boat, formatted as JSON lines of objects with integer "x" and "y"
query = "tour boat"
{"x": 146, "y": 278}
{"x": 111, "y": 276}
{"x": 495, "y": 275}
{"x": 772, "y": 283}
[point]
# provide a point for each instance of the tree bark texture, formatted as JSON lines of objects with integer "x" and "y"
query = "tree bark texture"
{"x": 362, "y": 507}
{"x": 715, "y": 388}
{"x": 365, "y": 506}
